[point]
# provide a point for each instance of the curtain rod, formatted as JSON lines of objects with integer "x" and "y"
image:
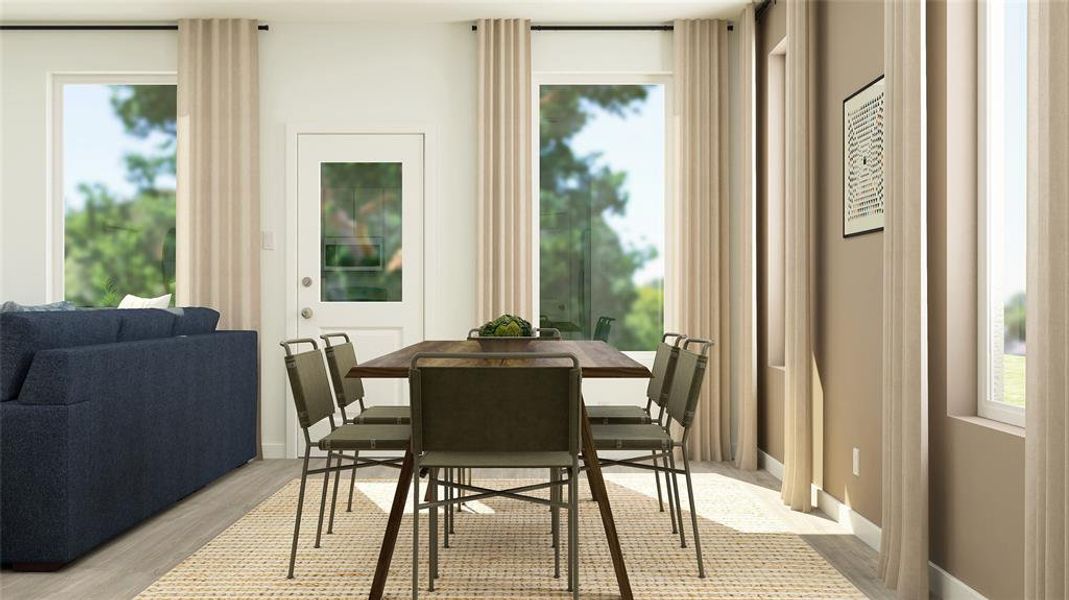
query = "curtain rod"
{"x": 99, "y": 27}
{"x": 595, "y": 28}
{"x": 601, "y": 27}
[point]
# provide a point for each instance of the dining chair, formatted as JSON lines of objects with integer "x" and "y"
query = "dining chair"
{"x": 349, "y": 391}
{"x": 664, "y": 364}
{"x": 679, "y": 408}
{"x": 467, "y": 414}
{"x": 603, "y": 328}
{"x": 341, "y": 358}
{"x": 542, "y": 333}
{"x": 314, "y": 404}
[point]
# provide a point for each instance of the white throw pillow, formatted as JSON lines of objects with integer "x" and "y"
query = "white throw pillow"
{"x": 132, "y": 301}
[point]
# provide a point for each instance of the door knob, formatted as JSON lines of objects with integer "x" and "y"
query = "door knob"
{"x": 306, "y": 313}
{"x": 306, "y": 282}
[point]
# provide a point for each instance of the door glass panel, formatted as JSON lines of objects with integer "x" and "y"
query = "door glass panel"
{"x": 360, "y": 259}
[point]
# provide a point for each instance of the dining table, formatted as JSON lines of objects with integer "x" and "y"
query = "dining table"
{"x": 596, "y": 360}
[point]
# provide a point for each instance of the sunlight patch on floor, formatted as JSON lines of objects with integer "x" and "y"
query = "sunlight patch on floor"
{"x": 740, "y": 505}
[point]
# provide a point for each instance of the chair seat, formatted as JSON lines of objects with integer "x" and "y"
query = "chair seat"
{"x": 439, "y": 458}
{"x": 367, "y": 437}
{"x": 631, "y": 437}
{"x": 388, "y": 415}
{"x": 617, "y": 414}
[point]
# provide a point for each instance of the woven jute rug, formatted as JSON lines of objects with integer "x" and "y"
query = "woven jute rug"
{"x": 501, "y": 549}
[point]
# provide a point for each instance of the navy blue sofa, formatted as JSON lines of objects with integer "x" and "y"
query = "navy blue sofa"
{"x": 109, "y": 416}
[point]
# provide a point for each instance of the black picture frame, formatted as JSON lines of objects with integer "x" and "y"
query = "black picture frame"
{"x": 867, "y": 88}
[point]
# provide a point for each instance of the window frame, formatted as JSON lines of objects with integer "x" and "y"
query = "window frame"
{"x": 671, "y": 268}
{"x": 989, "y": 404}
{"x": 56, "y": 208}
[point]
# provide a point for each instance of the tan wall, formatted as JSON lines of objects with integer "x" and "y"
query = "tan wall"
{"x": 976, "y": 468}
{"x": 848, "y": 344}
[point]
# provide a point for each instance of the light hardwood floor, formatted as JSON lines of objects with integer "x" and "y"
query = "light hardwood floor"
{"x": 130, "y": 563}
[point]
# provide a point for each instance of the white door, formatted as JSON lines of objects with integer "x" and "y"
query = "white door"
{"x": 360, "y": 245}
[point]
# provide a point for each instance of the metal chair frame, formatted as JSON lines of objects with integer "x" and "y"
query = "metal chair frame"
{"x": 667, "y": 455}
{"x": 307, "y": 421}
{"x": 343, "y": 401}
{"x": 555, "y": 484}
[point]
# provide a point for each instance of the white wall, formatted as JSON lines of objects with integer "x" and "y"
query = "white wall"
{"x": 27, "y": 58}
{"x": 642, "y": 52}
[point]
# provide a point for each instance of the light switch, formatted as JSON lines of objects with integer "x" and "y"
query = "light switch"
{"x": 857, "y": 462}
{"x": 267, "y": 240}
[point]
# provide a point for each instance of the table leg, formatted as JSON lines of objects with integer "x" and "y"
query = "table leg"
{"x": 597, "y": 488}
{"x": 393, "y": 525}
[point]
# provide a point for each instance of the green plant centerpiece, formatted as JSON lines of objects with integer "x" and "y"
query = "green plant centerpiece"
{"x": 506, "y": 326}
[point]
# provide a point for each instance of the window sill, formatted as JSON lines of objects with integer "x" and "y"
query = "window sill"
{"x": 991, "y": 424}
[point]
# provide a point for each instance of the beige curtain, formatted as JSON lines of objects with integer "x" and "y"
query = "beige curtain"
{"x": 904, "y": 541}
{"x": 218, "y": 220}
{"x": 1046, "y": 440}
{"x": 745, "y": 345}
{"x": 505, "y": 219}
{"x": 798, "y": 251}
{"x": 703, "y": 113}
{"x": 708, "y": 248}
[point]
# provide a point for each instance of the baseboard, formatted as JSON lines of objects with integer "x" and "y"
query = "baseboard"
{"x": 942, "y": 584}
{"x": 946, "y": 586}
{"x": 864, "y": 529}
{"x": 773, "y": 466}
{"x": 274, "y": 450}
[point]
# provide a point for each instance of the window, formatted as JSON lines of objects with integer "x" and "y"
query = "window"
{"x": 1003, "y": 208}
{"x": 114, "y": 144}
{"x": 602, "y": 154}
{"x": 775, "y": 206}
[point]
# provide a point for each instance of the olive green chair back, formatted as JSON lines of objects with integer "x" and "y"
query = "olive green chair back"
{"x": 495, "y": 408}
{"x": 341, "y": 358}
{"x": 664, "y": 365}
{"x": 687, "y": 382}
{"x": 603, "y": 328}
{"x": 309, "y": 382}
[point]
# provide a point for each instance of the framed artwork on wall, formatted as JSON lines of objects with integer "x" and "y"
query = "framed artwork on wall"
{"x": 863, "y": 156}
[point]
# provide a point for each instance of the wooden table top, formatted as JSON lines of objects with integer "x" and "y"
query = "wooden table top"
{"x": 596, "y": 359}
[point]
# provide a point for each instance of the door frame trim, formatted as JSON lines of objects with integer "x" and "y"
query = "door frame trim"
{"x": 430, "y": 225}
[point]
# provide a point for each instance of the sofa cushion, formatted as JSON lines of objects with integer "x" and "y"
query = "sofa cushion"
{"x": 132, "y": 301}
{"x": 22, "y": 334}
{"x": 145, "y": 324}
{"x": 12, "y": 306}
{"x": 194, "y": 320}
